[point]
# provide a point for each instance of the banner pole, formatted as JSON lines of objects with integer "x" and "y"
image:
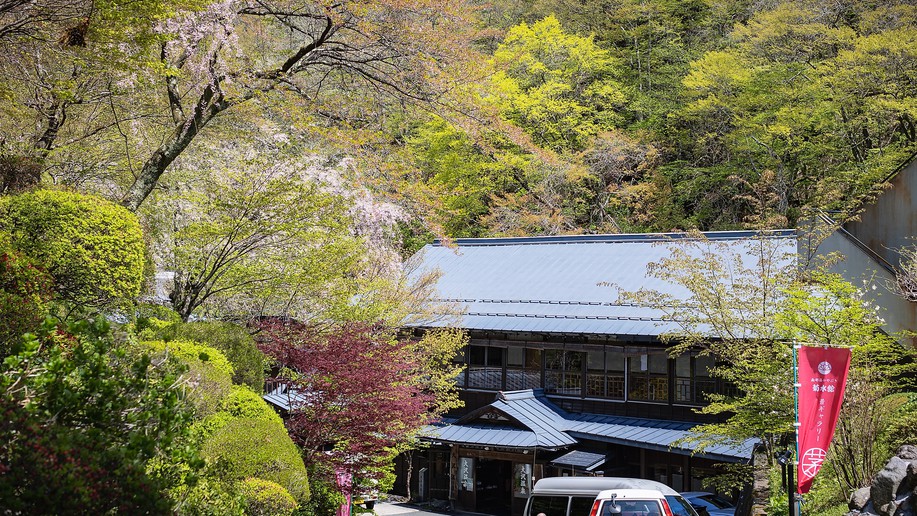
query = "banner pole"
{"x": 791, "y": 491}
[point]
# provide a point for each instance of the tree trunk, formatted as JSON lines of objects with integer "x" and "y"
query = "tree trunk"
{"x": 209, "y": 105}
{"x": 409, "y": 461}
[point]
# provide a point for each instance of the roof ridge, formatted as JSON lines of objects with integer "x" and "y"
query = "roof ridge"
{"x": 618, "y": 238}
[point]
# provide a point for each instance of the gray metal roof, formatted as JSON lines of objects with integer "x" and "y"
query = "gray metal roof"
{"x": 580, "y": 459}
{"x": 284, "y": 397}
{"x": 531, "y": 420}
{"x": 567, "y": 284}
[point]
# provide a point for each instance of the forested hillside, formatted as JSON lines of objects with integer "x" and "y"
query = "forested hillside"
{"x": 659, "y": 114}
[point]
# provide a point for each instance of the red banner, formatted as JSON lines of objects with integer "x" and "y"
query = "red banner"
{"x": 822, "y": 377}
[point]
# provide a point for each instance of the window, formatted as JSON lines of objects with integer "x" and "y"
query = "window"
{"x": 632, "y": 507}
{"x": 605, "y": 373}
{"x": 548, "y": 505}
{"x": 684, "y": 379}
{"x": 694, "y": 380}
{"x": 564, "y": 372}
{"x": 679, "y": 506}
{"x": 648, "y": 378}
{"x": 523, "y": 369}
{"x": 704, "y": 381}
{"x": 485, "y": 367}
{"x": 581, "y": 505}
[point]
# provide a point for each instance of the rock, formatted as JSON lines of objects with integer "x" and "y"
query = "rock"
{"x": 907, "y": 452}
{"x": 885, "y": 486}
{"x": 859, "y": 499}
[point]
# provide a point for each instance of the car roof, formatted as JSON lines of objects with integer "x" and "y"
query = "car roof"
{"x": 592, "y": 486}
{"x": 630, "y": 494}
{"x": 697, "y": 493}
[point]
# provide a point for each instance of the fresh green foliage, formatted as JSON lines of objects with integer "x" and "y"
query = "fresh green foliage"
{"x": 24, "y": 294}
{"x": 266, "y": 498}
{"x": 234, "y": 342}
{"x": 260, "y": 238}
{"x": 92, "y": 248}
{"x": 242, "y": 402}
{"x": 82, "y": 421}
{"x": 208, "y": 376}
{"x": 246, "y": 448}
{"x": 557, "y": 86}
{"x": 146, "y": 313}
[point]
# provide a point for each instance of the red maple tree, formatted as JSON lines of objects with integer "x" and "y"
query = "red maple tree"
{"x": 354, "y": 392}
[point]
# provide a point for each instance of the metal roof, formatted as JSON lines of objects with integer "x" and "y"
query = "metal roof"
{"x": 530, "y": 420}
{"x": 580, "y": 459}
{"x": 569, "y": 284}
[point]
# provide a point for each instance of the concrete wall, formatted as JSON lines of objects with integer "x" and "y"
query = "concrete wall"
{"x": 860, "y": 267}
{"x": 891, "y": 222}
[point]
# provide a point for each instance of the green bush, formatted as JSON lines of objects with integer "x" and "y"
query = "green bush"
{"x": 246, "y": 448}
{"x": 902, "y": 427}
{"x": 266, "y": 498}
{"x": 241, "y": 403}
{"x": 209, "y": 373}
{"x": 83, "y": 421}
{"x": 93, "y": 248}
{"x": 158, "y": 317}
{"x": 24, "y": 293}
{"x": 235, "y": 342}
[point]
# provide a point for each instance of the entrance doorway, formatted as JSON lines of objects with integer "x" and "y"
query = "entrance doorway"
{"x": 494, "y": 486}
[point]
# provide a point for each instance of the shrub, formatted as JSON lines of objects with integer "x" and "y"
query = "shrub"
{"x": 158, "y": 317}
{"x": 243, "y": 402}
{"x": 246, "y": 448}
{"x": 266, "y": 498}
{"x": 81, "y": 421}
{"x": 209, "y": 372}
{"x": 24, "y": 293}
{"x": 235, "y": 342}
{"x": 93, "y": 248}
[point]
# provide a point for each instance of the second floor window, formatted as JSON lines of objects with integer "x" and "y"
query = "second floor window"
{"x": 648, "y": 377}
{"x": 563, "y": 372}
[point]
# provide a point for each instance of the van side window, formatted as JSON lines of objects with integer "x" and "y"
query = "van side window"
{"x": 549, "y": 505}
{"x": 581, "y": 505}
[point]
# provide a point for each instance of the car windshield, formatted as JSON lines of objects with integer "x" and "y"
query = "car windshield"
{"x": 716, "y": 501}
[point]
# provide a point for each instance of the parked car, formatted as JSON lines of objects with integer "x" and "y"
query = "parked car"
{"x": 715, "y": 504}
{"x": 605, "y": 496}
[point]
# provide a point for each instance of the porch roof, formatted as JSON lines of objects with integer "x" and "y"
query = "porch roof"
{"x": 527, "y": 419}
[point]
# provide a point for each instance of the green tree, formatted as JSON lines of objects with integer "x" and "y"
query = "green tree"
{"x": 558, "y": 87}
{"x": 253, "y": 240}
{"x": 746, "y": 306}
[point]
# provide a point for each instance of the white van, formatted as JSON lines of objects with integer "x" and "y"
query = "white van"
{"x": 605, "y": 496}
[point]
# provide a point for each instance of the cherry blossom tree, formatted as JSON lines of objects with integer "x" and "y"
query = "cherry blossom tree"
{"x": 332, "y": 56}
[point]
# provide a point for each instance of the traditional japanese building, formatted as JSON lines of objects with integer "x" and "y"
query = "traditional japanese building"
{"x": 564, "y": 377}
